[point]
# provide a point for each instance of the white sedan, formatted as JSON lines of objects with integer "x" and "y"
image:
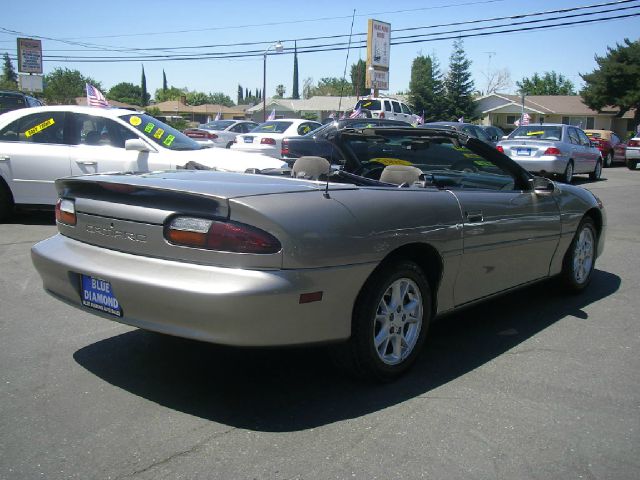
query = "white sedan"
{"x": 39, "y": 145}
{"x": 219, "y": 133}
{"x": 267, "y": 137}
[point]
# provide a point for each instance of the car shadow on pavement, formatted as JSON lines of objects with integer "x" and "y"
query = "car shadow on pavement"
{"x": 281, "y": 390}
{"x": 32, "y": 217}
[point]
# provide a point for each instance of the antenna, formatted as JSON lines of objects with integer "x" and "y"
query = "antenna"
{"x": 346, "y": 60}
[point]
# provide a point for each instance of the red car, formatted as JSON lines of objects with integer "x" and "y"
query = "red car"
{"x": 606, "y": 141}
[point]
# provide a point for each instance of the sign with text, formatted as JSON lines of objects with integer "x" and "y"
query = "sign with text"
{"x": 378, "y": 79}
{"x": 29, "y": 55}
{"x": 378, "y": 44}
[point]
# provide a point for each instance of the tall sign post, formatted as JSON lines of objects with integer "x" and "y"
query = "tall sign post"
{"x": 378, "y": 53}
{"x": 30, "y": 64}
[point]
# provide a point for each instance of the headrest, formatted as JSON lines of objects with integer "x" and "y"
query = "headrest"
{"x": 310, "y": 167}
{"x": 399, "y": 174}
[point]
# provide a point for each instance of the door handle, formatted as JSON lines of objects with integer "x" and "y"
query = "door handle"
{"x": 4, "y": 158}
{"x": 474, "y": 217}
{"x": 86, "y": 162}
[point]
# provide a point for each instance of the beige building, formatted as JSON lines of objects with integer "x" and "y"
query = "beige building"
{"x": 503, "y": 110}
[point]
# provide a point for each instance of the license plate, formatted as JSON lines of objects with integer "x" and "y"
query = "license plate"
{"x": 98, "y": 294}
{"x": 248, "y": 139}
{"x": 524, "y": 152}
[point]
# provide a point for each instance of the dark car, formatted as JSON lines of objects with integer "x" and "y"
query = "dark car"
{"x": 494, "y": 133}
{"x": 316, "y": 143}
{"x": 10, "y": 100}
{"x": 472, "y": 130}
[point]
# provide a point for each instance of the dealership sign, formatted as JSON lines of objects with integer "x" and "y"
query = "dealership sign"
{"x": 29, "y": 55}
{"x": 378, "y": 54}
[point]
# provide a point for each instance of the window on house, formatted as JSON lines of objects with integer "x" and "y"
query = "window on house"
{"x": 580, "y": 122}
{"x": 511, "y": 119}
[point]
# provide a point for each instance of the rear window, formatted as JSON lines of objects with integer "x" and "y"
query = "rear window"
{"x": 272, "y": 127}
{"x": 537, "y": 132}
{"x": 369, "y": 104}
{"x": 218, "y": 125}
{"x": 594, "y": 134}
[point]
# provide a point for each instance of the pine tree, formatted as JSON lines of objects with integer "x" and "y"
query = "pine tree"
{"x": 164, "y": 81}
{"x": 459, "y": 85}
{"x": 240, "y": 96}
{"x": 295, "y": 93}
{"x": 143, "y": 88}
{"x": 8, "y": 72}
{"x": 426, "y": 88}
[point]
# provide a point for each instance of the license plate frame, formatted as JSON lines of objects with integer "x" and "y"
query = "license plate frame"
{"x": 97, "y": 294}
{"x": 523, "y": 152}
{"x": 248, "y": 139}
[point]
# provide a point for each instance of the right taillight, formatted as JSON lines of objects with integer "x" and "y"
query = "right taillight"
{"x": 66, "y": 211}
{"x": 217, "y": 235}
{"x": 500, "y": 149}
{"x": 284, "y": 147}
{"x": 633, "y": 143}
{"x": 552, "y": 151}
{"x": 211, "y": 136}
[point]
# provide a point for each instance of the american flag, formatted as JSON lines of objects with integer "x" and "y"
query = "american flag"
{"x": 95, "y": 98}
{"x": 525, "y": 119}
{"x": 356, "y": 113}
{"x": 272, "y": 115}
{"x": 218, "y": 116}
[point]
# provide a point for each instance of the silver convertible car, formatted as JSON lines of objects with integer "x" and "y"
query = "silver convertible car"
{"x": 414, "y": 224}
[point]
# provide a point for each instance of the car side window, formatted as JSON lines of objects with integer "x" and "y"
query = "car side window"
{"x": 584, "y": 140}
{"x": 41, "y": 127}
{"x": 387, "y": 106}
{"x": 573, "y": 136}
{"x": 99, "y": 131}
{"x": 405, "y": 109}
{"x": 239, "y": 128}
{"x": 396, "y": 107}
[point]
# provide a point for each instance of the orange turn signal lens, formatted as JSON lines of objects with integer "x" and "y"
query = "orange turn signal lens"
{"x": 66, "y": 211}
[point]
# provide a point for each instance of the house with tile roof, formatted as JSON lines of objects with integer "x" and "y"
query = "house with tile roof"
{"x": 502, "y": 110}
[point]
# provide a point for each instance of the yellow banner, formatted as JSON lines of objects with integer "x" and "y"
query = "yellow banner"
{"x": 39, "y": 128}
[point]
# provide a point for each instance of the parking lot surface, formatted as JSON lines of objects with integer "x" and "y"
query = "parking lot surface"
{"x": 535, "y": 385}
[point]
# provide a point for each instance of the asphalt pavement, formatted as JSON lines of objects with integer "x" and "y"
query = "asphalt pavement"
{"x": 533, "y": 385}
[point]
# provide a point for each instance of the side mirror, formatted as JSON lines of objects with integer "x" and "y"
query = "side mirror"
{"x": 542, "y": 185}
{"x": 136, "y": 144}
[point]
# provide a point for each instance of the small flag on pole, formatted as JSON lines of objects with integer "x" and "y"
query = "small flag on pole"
{"x": 525, "y": 119}
{"x": 218, "y": 116}
{"x": 461, "y": 120}
{"x": 95, "y": 98}
{"x": 272, "y": 115}
{"x": 356, "y": 113}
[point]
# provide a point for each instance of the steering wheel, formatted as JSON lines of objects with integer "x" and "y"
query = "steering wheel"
{"x": 465, "y": 166}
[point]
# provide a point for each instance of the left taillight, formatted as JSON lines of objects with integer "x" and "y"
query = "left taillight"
{"x": 66, "y": 211}
{"x": 267, "y": 141}
{"x": 217, "y": 235}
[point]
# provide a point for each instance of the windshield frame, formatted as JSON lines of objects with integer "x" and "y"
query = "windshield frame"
{"x": 159, "y": 133}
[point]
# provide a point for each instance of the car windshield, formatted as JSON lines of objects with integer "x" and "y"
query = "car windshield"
{"x": 160, "y": 133}
{"x": 538, "y": 132}
{"x": 369, "y": 104}
{"x": 444, "y": 160}
{"x": 272, "y": 127}
{"x": 218, "y": 125}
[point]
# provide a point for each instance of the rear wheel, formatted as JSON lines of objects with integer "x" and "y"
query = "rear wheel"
{"x": 389, "y": 323}
{"x": 608, "y": 160}
{"x": 6, "y": 201}
{"x": 567, "y": 176}
{"x": 632, "y": 164}
{"x": 229, "y": 145}
{"x": 597, "y": 172}
{"x": 580, "y": 259}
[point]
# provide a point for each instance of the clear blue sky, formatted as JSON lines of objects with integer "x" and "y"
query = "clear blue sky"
{"x": 127, "y": 24}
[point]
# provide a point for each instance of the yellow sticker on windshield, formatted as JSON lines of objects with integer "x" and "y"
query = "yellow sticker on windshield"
{"x": 268, "y": 127}
{"x": 366, "y": 104}
{"x": 483, "y": 163}
{"x": 159, "y": 133}
{"x": 306, "y": 129}
{"x": 530, "y": 134}
{"x": 148, "y": 128}
{"x": 391, "y": 161}
{"x": 39, "y": 128}
{"x": 471, "y": 155}
{"x": 135, "y": 121}
{"x": 169, "y": 140}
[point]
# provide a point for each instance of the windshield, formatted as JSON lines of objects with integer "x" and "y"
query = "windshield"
{"x": 537, "y": 132}
{"x": 218, "y": 125}
{"x": 369, "y": 104}
{"x": 160, "y": 133}
{"x": 272, "y": 127}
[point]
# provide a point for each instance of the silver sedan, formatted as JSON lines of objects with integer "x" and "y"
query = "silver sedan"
{"x": 417, "y": 223}
{"x": 557, "y": 149}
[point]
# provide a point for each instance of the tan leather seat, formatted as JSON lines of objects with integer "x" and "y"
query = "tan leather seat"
{"x": 310, "y": 167}
{"x": 400, "y": 174}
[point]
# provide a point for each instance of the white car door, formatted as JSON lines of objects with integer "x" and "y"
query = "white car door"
{"x": 98, "y": 146}
{"x": 33, "y": 154}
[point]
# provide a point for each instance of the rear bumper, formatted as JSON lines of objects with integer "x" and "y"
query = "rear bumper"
{"x": 270, "y": 150}
{"x": 219, "y": 305}
{"x": 633, "y": 153}
{"x": 547, "y": 164}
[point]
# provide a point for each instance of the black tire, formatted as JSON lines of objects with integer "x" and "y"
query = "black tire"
{"x": 632, "y": 164}
{"x": 376, "y": 350}
{"x": 597, "y": 172}
{"x": 580, "y": 259}
{"x": 6, "y": 202}
{"x": 567, "y": 176}
{"x": 229, "y": 145}
{"x": 608, "y": 160}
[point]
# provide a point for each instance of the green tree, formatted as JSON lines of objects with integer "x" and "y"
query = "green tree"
{"x": 332, "y": 86}
{"x": 426, "y": 88}
{"x": 9, "y": 78}
{"x": 197, "y": 98}
{"x": 280, "y": 91}
{"x": 63, "y": 85}
{"x": 125, "y": 92}
{"x": 550, "y": 83}
{"x": 459, "y": 85}
{"x": 616, "y": 81}
{"x": 171, "y": 93}
{"x": 295, "y": 94}
{"x": 359, "y": 77}
{"x": 220, "y": 98}
{"x": 143, "y": 87}
{"x": 240, "y": 94}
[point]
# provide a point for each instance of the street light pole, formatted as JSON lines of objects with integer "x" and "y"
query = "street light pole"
{"x": 278, "y": 48}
